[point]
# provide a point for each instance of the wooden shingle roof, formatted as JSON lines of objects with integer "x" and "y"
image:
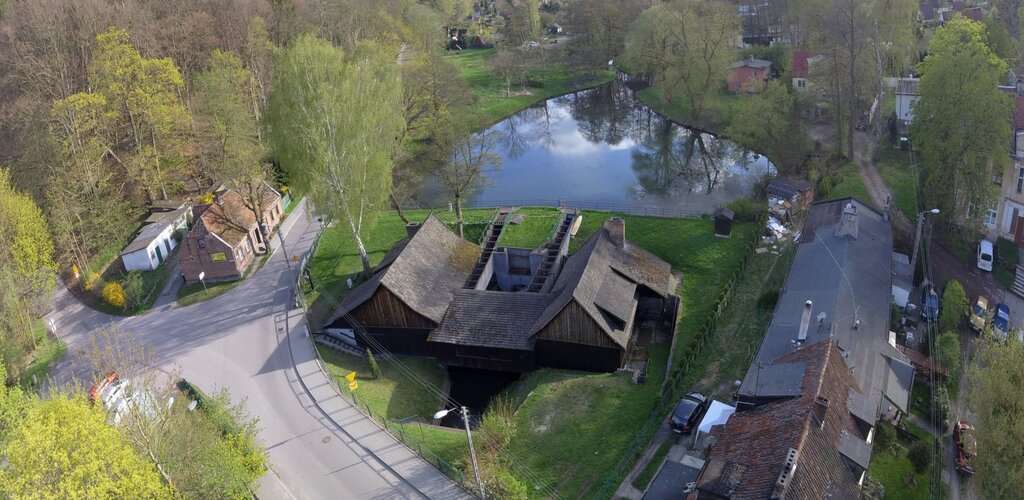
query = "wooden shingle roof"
{"x": 423, "y": 271}
{"x": 487, "y": 318}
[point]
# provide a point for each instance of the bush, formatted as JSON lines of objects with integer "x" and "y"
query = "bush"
{"x": 947, "y": 352}
{"x": 134, "y": 289}
{"x": 768, "y": 299}
{"x": 746, "y": 208}
{"x": 920, "y": 455}
{"x": 954, "y": 306}
{"x": 113, "y": 294}
{"x": 374, "y": 367}
{"x": 885, "y": 436}
{"x": 93, "y": 280}
{"x": 941, "y": 401}
{"x": 825, "y": 186}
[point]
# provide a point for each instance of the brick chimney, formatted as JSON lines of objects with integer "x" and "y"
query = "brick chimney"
{"x": 411, "y": 228}
{"x": 616, "y": 228}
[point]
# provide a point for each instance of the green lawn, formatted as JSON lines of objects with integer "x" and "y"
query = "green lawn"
{"x": 850, "y": 183}
{"x": 721, "y": 107}
{"x": 489, "y": 90}
{"x": 153, "y": 284}
{"x": 898, "y": 173}
{"x": 535, "y": 230}
{"x": 572, "y": 428}
{"x": 195, "y": 293}
{"x": 893, "y": 469}
{"x": 644, "y": 478}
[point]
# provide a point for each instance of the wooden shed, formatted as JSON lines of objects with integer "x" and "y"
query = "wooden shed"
{"x": 723, "y": 222}
{"x": 799, "y": 193}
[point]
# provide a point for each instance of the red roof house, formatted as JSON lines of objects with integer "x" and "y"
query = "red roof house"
{"x": 749, "y": 75}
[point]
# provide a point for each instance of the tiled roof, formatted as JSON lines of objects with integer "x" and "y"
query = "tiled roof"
{"x": 801, "y": 68}
{"x": 1018, "y": 114}
{"x": 753, "y": 449}
{"x": 423, "y": 271}
{"x": 751, "y": 62}
{"x": 229, "y": 218}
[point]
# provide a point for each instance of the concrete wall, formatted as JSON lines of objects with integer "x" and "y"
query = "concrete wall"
{"x": 904, "y": 107}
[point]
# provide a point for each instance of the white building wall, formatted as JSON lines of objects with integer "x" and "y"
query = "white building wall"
{"x": 904, "y": 107}
{"x": 146, "y": 260}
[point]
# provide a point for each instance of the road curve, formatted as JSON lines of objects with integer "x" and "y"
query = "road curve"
{"x": 243, "y": 341}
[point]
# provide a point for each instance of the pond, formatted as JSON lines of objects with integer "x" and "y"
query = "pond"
{"x": 604, "y": 148}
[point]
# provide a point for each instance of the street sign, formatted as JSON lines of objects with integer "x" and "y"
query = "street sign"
{"x": 351, "y": 377}
{"x": 202, "y": 274}
{"x": 353, "y": 386}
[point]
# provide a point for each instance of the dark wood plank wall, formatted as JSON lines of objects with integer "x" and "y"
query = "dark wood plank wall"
{"x": 386, "y": 309}
{"x": 570, "y": 356}
{"x": 574, "y": 325}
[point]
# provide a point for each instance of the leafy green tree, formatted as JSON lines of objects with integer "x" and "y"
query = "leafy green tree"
{"x": 996, "y": 376}
{"x": 335, "y": 125}
{"x": 27, "y": 249}
{"x": 766, "y": 123}
{"x": 64, "y": 448}
{"x": 961, "y": 123}
{"x": 230, "y": 133}
{"x": 461, "y": 164}
{"x": 947, "y": 351}
{"x": 374, "y": 367}
{"x": 144, "y": 95}
{"x": 687, "y": 46}
{"x": 134, "y": 289}
{"x": 523, "y": 21}
{"x": 954, "y": 306}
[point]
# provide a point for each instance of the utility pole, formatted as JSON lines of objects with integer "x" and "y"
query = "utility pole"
{"x": 472, "y": 453}
{"x": 917, "y": 239}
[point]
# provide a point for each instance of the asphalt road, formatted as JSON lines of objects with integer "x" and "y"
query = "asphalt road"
{"x": 238, "y": 341}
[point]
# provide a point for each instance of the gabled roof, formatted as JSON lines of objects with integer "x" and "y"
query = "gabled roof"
{"x": 788, "y": 187}
{"x": 801, "y": 65}
{"x": 848, "y": 279}
{"x": 750, "y": 62}
{"x": 166, "y": 216}
{"x": 423, "y": 271}
{"x": 602, "y": 277}
{"x": 146, "y": 236}
{"x": 749, "y": 458}
{"x": 228, "y": 217}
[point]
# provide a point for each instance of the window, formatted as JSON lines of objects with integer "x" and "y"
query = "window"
{"x": 218, "y": 257}
{"x": 240, "y": 255}
{"x": 990, "y": 218}
{"x": 202, "y": 243}
{"x": 1020, "y": 179}
{"x": 801, "y": 83}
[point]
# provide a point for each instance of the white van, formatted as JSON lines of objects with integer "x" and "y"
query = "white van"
{"x": 985, "y": 255}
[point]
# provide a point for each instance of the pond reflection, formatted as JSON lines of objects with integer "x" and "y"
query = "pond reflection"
{"x": 605, "y": 146}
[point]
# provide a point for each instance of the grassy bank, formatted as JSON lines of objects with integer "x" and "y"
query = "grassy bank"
{"x": 553, "y": 79}
{"x": 848, "y": 182}
{"x": 48, "y": 350}
{"x": 536, "y": 228}
{"x": 891, "y": 467}
{"x": 720, "y": 108}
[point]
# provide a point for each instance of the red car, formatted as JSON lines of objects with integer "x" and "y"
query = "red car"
{"x": 966, "y": 447}
{"x": 96, "y": 391}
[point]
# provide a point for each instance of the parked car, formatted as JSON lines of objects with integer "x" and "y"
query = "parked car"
{"x": 966, "y": 447}
{"x": 979, "y": 313}
{"x": 687, "y": 414}
{"x": 986, "y": 255}
{"x": 1001, "y": 321}
{"x": 97, "y": 389}
{"x": 929, "y": 303}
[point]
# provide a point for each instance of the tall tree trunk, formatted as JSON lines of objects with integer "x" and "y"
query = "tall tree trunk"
{"x": 458, "y": 214}
{"x": 367, "y": 270}
{"x": 398, "y": 207}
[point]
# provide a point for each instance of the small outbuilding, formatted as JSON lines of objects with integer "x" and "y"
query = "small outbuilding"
{"x": 723, "y": 222}
{"x": 749, "y": 75}
{"x": 789, "y": 194}
{"x": 149, "y": 249}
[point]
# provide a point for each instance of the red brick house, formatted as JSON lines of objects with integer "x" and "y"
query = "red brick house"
{"x": 749, "y": 75}
{"x": 225, "y": 237}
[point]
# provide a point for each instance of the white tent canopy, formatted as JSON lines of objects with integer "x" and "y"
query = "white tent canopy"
{"x": 717, "y": 414}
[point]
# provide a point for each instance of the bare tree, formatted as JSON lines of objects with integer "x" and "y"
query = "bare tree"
{"x": 461, "y": 164}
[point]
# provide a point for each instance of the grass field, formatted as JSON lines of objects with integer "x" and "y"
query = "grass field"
{"x": 394, "y": 395}
{"x": 48, "y": 350}
{"x": 536, "y": 229}
{"x": 893, "y": 469}
{"x": 487, "y": 86}
{"x": 850, "y": 184}
{"x": 898, "y": 173}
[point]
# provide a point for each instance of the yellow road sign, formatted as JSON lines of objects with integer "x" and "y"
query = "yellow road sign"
{"x": 351, "y": 377}
{"x": 353, "y": 386}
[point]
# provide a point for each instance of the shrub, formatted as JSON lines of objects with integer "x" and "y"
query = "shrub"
{"x": 768, "y": 299}
{"x": 746, "y": 208}
{"x": 93, "y": 280}
{"x": 885, "y": 436}
{"x": 920, "y": 455}
{"x": 134, "y": 289}
{"x": 374, "y": 367}
{"x": 113, "y": 294}
{"x": 941, "y": 401}
{"x": 825, "y": 186}
{"x": 954, "y": 306}
{"x": 947, "y": 352}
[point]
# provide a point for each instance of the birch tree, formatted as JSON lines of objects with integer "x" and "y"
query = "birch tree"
{"x": 335, "y": 122}
{"x": 461, "y": 164}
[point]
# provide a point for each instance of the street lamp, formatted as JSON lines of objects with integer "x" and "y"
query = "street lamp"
{"x": 917, "y": 237}
{"x": 472, "y": 452}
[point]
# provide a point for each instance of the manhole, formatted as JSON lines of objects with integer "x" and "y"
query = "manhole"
{"x": 326, "y": 439}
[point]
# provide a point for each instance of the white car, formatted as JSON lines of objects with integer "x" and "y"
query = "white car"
{"x": 986, "y": 255}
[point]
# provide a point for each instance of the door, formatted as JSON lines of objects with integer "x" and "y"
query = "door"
{"x": 159, "y": 255}
{"x": 167, "y": 244}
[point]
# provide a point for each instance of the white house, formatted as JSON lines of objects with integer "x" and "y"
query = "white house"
{"x": 149, "y": 249}
{"x": 906, "y": 96}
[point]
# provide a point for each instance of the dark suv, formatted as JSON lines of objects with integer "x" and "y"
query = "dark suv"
{"x": 687, "y": 413}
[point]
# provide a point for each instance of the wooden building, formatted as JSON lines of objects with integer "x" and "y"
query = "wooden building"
{"x": 582, "y": 319}
{"x": 410, "y": 289}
